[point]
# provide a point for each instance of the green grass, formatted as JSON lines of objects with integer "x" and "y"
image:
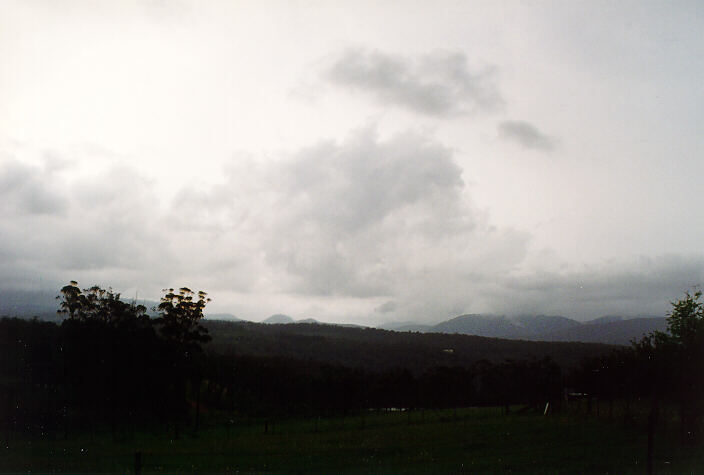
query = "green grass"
{"x": 473, "y": 440}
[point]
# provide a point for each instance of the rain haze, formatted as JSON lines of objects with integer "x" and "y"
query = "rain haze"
{"x": 356, "y": 162}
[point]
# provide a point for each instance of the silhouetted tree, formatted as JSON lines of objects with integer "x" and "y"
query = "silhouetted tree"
{"x": 96, "y": 303}
{"x": 664, "y": 367}
{"x": 179, "y": 324}
{"x": 180, "y": 316}
{"x": 73, "y": 302}
{"x": 683, "y": 349}
{"x": 110, "y": 357}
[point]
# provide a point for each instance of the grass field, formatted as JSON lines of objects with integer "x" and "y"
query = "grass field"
{"x": 471, "y": 440}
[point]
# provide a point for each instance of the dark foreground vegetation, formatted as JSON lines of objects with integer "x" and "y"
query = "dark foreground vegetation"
{"x": 111, "y": 380}
{"x": 480, "y": 440}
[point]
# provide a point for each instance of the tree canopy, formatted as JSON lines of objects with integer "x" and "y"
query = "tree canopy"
{"x": 96, "y": 303}
{"x": 180, "y": 315}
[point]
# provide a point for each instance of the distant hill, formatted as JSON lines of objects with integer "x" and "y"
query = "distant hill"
{"x": 29, "y": 303}
{"x": 222, "y": 316}
{"x": 307, "y": 320}
{"x": 608, "y": 329}
{"x": 605, "y": 319}
{"x": 480, "y": 325}
{"x": 278, "y": 318}
{"x": 414, "y": 328}
{"x": 347, "y": 325}
{"x": 542, "y": 324}
{"x": 612, "y": 329}
{"x": 404, "y": 327}
{"x": 619, "y": 332}
{"x": 522, "y": 326}
{"x": 379, "y": 350}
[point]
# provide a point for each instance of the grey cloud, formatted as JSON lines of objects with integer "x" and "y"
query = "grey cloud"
{"x": 100, "y": 227}
{"x": 630, "y": 287}
{"x": 359, "y": 182}
{"x": 386, "y": 307}
{"x": 25, "y": 189}
{"x": 358, "y": 214}
{"x": 439, "y": 84}
{"x": 525, "y": 134}
{"x": 364, "y": 218}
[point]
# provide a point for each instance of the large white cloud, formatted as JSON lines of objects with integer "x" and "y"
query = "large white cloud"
{"x": 364, "y": 218}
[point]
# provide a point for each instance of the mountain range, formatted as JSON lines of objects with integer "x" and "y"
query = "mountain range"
{"x": 611, "y": 329}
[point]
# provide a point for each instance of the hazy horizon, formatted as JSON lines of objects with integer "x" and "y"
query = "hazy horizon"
{"x": 356, "y": 162}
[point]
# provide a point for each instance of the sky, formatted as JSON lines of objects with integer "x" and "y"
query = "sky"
{"x": 358, "y": 162}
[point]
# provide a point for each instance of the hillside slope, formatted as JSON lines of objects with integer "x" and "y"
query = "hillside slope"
{"x": 612, "y": 332}
{"x": 377, "y": 350}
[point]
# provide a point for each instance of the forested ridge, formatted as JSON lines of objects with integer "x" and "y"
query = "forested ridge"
{"x": 376, "y": 350}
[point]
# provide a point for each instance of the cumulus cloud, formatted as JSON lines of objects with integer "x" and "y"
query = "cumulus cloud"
{"x": 369, "y": 218}
{"x": 439, "y": 84}
{"x": 525, "y": 134}
{"x": 364, "y": 218}
{"x": 363, "y": 221}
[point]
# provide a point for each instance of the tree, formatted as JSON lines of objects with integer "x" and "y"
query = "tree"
{"x": 98, "y": 304}
{"x": 180, "y": 316}
{"x": 686, "y": 322}
{"x": 685, "y": 353}
{"x": 106, "y": 345}
{"x": 179, "y": 322}
{"x": 670, "y": 365}
{"x": 73, "y": 302}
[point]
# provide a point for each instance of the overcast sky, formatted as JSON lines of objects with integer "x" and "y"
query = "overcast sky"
{"x": 356, "y": 161}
